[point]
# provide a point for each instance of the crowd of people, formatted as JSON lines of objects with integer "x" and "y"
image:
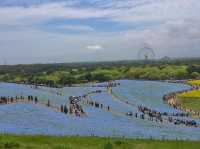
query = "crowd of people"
{"x": 171, "y": 99}
{"x": 97, "y": 104}
{"x": 175, "y": 118}
{"x": 33, "y": 99}
{"x": 74, "y": 106}
{"x": 11, "y": 99}
{"x": 153, "y": 115}
{"x": 25, "y": 99}
{"x": 107, "y": 85}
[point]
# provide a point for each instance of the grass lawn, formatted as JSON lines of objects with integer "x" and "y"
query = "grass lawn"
{"x": 190, "y": 103}
{"x": 48, "y": 142}
{"x": 194, "y": 82}
{"x": 190, "y": 100}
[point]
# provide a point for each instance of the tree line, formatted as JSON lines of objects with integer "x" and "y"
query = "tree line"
{"x": 73, "y": 73}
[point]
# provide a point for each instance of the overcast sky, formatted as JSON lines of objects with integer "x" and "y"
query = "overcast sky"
{"x": 41, "y": 31}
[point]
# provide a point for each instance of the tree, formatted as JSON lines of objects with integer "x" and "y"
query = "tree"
{"x": 193, "y": 68}
{"x": 88, "y": 76}
{"x": 101, "y": 77}
{"x": 195, "y": 75}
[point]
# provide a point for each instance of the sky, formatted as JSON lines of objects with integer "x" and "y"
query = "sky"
{"x": 48, "y": 31}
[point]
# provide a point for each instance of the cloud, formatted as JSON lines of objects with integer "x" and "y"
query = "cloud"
{"x": 171, "y": 27}
{"x": 80, "y": 28}
{"x": 158, "y": 11}
{"x": 28, "y": 3}
{"x": 120, "y": 11}
{"x": 94, "y": 47}
{"x": 34, "y": 14}
{"x": 183, "y": 29}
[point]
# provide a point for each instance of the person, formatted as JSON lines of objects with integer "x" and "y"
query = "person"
{"x": 31, "y": 98}
{"x": 48, "y": 103}
{"x": 11, "y": 99}
{"x": 71, "y": 109}
{"x": 65, "y": 109}
{"x": 62, "y": 108}
{"x": 136, "y": 114}
{"x": 142, "y": 116}
{"x": 108, "y": 108}
{"x": 16, "y": 98}
{"x": 96, "y": 105}
{"x": 36, "y": 100}
{"x": 101, "y": 106}
{"x": 82, "y": 112}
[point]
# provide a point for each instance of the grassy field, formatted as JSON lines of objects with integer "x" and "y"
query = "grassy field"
{"x": 190, "y": 103}
{"x": 192, "y": 94}
{"x": 194, "y": 82}
{"x": 191, "y": 100}
{"x": 48, "y": 142}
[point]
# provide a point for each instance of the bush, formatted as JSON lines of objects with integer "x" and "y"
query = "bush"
{"x": 118, "y": 142}
{"x": 108, "y": 146}
{"x": 62, "y": 147}
{"x": 195, "y": 75}
{"x": 11, "y": 145}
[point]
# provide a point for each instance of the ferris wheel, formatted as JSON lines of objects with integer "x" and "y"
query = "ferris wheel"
{"x": 146, "y": 53}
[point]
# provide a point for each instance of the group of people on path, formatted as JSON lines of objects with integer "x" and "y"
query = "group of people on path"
{"x": 33, "y": 99}
{"x": 152, "y": 115}
{"x": 108, "y": 84}
{"x": 172, "y": 100}
{"x": 10, "y": 99}
{"x": 164, "y": 116}
{"x": 24, "y": 99}
{"x": 75, "y": 104}
{"x": 6, "y": 100}
{"x": 95, "y": 103}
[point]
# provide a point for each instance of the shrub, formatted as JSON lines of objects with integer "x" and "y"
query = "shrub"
{"x": 11, "y": 145}
{"x": 108, "y": 146}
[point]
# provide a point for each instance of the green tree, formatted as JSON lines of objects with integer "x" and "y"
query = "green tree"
{"x": 195, "y": 75}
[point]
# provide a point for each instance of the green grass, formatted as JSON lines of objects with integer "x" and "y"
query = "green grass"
{"x": 49, "y": 142}
{"x": 190, "y": 100}
{"x": 191, "y": 94}
{"x": 190, "y": 103}
{"x": 194, "y": 82}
